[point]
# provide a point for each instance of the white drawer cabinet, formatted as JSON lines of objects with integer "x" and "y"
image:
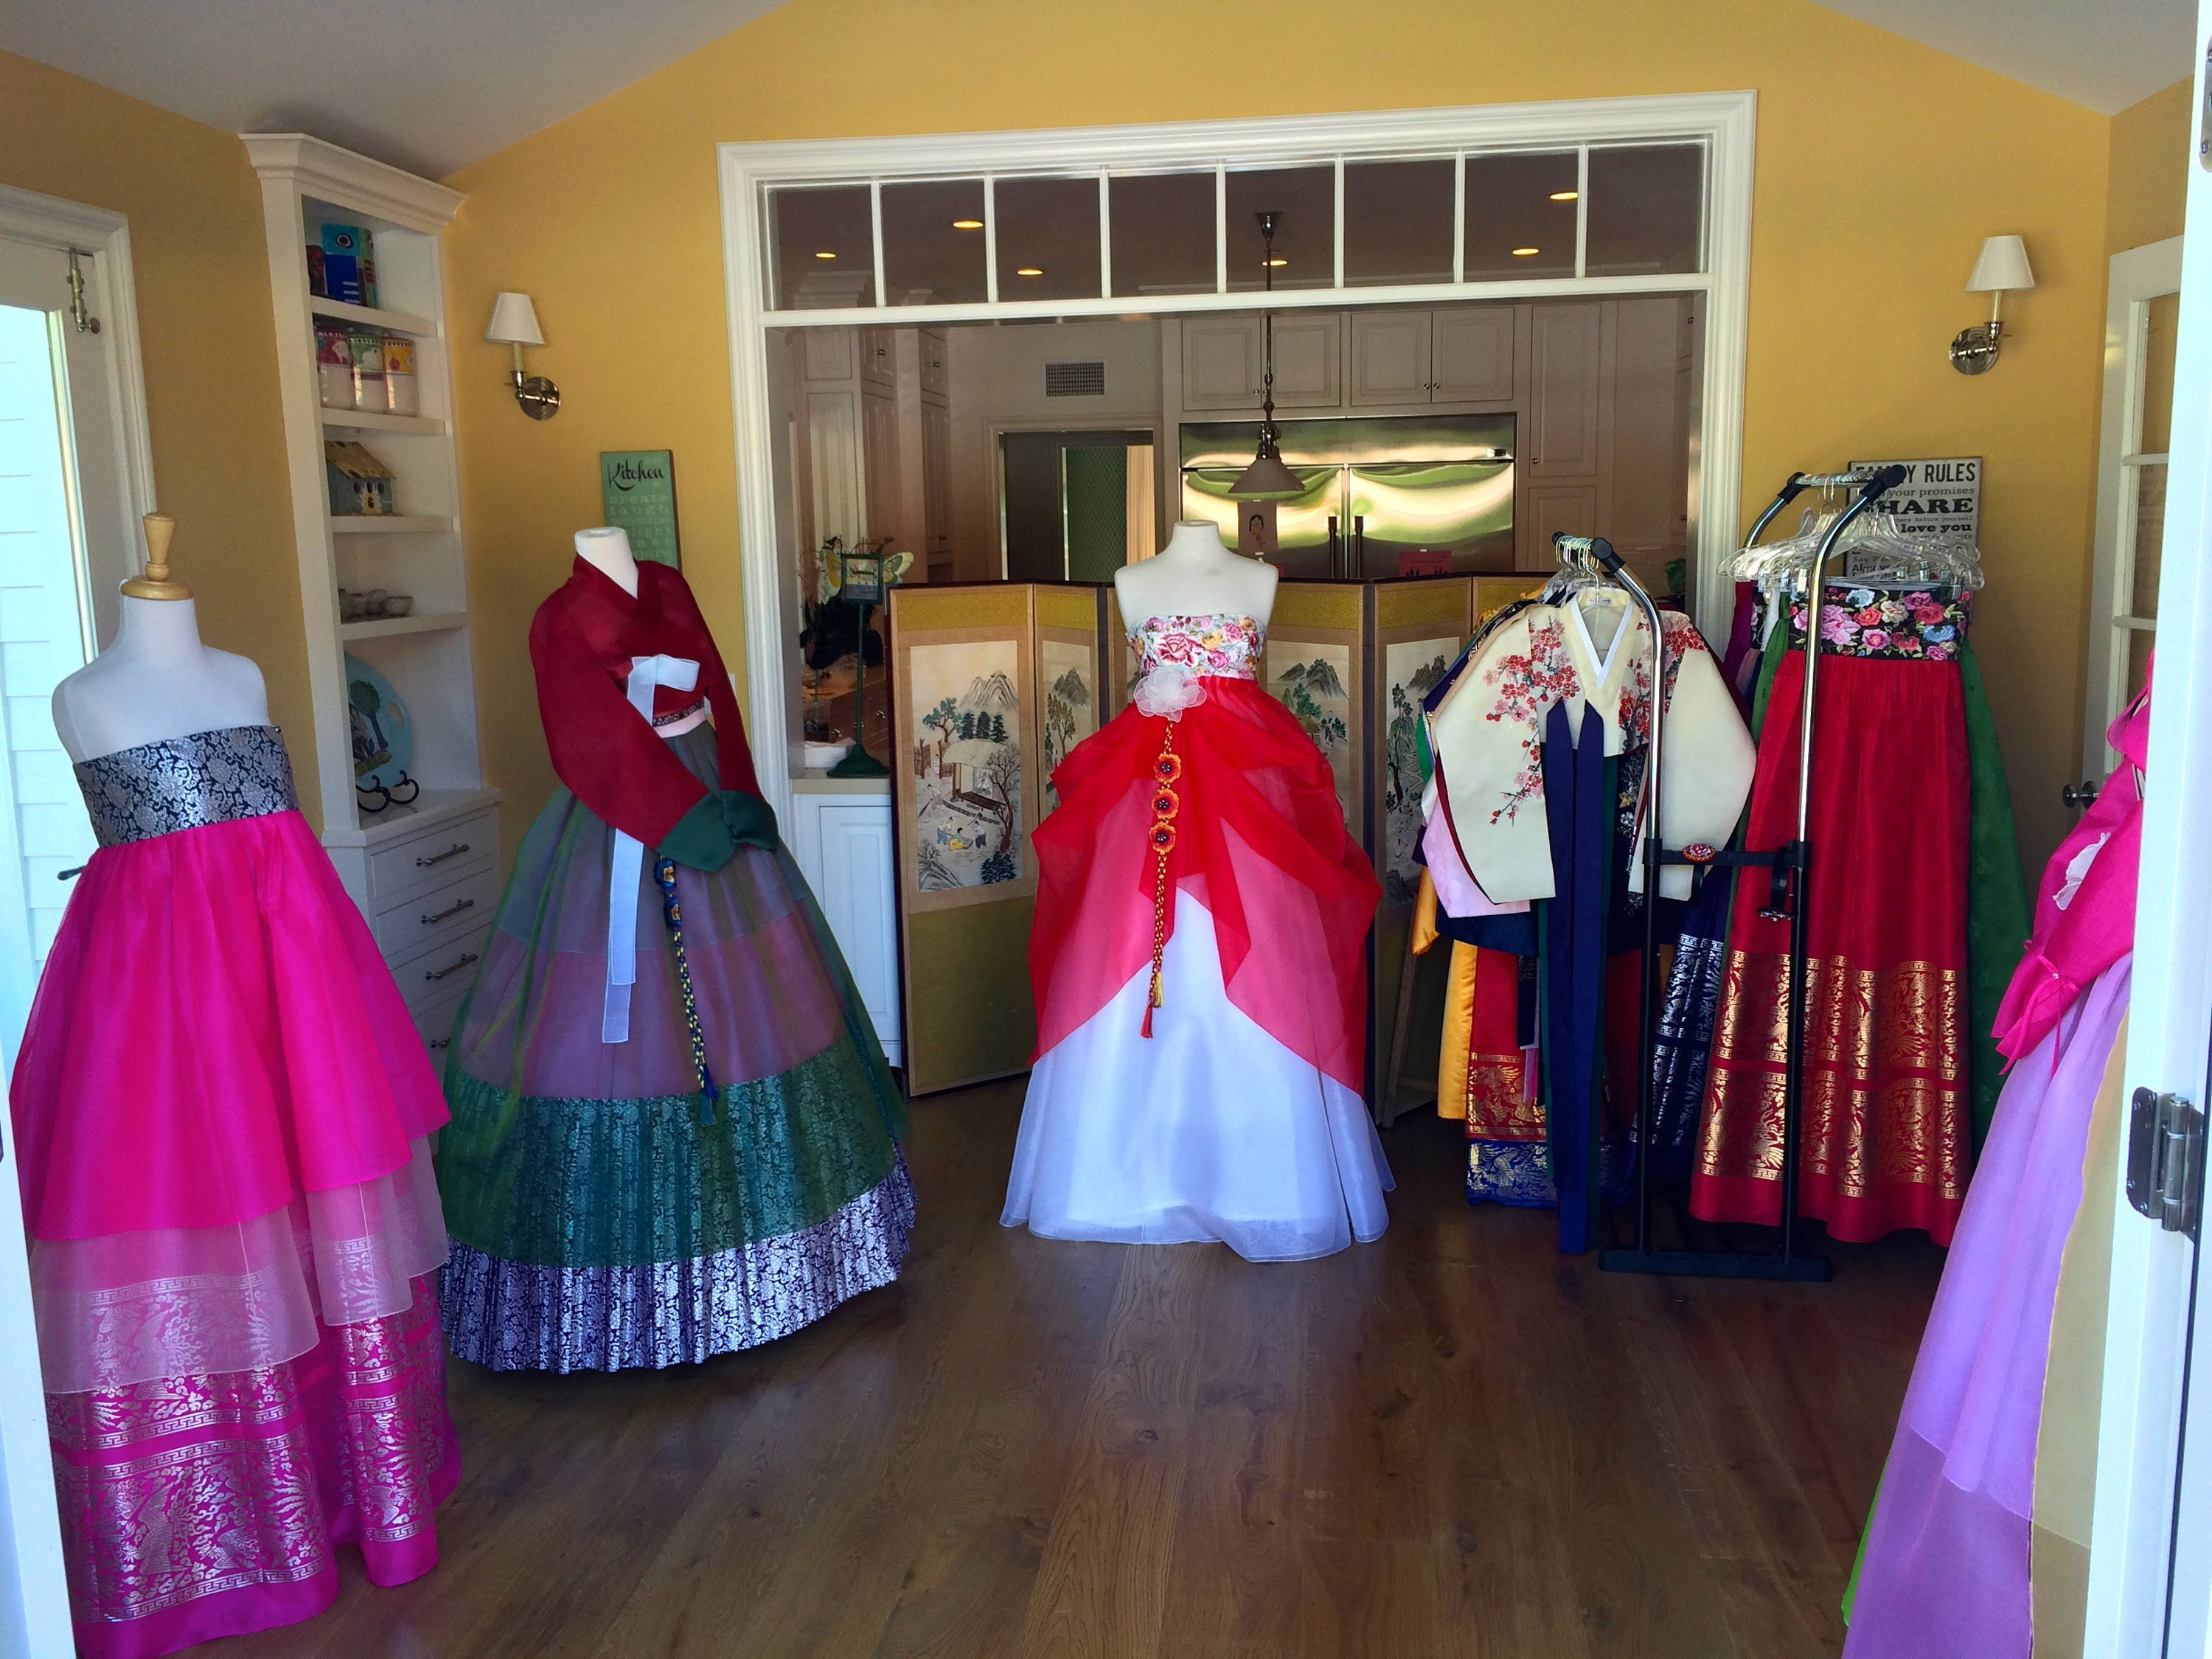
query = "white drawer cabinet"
{"x": 429, "y": 884}
{"x": 841, "y": 836}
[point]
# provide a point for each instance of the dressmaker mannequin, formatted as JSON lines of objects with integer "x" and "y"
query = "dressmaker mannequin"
{"x": 155, "y": 680}
{"x": 607, "y": 549}
{"x": 1195, "y": 574}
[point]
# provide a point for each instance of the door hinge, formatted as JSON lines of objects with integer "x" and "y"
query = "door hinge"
{"x": 2165, "y": 1160}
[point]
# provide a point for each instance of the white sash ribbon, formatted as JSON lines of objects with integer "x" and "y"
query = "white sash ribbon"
{"x": 627, "y": 869}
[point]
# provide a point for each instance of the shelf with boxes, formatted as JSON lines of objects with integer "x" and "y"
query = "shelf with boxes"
{"x": 367, "y": 384}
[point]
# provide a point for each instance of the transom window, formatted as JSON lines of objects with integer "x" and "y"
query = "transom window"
{"x": 1160, "y": 234}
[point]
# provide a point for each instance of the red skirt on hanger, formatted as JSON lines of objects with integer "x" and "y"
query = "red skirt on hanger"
{"x": 1885, "y": 1136}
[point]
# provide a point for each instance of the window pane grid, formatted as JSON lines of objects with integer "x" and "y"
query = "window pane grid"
{"x": 1650, "y": 197}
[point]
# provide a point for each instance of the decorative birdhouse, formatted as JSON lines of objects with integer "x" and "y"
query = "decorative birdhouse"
{"x": 360, "y": 483}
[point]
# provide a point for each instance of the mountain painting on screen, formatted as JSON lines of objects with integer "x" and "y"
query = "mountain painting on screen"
{"x": 1310, "y": 680}
{"x": 967, "y": 765}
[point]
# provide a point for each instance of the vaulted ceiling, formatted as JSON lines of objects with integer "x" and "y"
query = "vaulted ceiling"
{"x": 432, "y": 85}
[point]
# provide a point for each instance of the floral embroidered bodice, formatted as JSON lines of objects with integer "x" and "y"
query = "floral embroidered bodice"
{"x": 1218, "y": 646}
{"x": 1866, "y": 621}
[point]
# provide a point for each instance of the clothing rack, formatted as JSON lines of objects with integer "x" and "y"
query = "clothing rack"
{"x": 1790, "y": 867}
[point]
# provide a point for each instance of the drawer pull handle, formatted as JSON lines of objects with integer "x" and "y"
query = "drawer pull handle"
{"x": 467, "y": 956}
{"x": 431, "y": 919}
{"x": 437, "y": 1044}
{"x": 453, "y": 852}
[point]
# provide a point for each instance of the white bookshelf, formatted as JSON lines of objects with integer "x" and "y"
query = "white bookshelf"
{"x": 396, "y": 860}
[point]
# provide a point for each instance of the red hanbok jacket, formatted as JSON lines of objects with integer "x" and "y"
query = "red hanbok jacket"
{"x": 581, "y": 642}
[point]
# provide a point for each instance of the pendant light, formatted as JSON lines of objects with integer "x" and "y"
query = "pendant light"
{"x": 1267, "y": 479}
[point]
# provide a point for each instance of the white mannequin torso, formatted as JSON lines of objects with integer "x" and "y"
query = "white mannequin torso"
{"x": 1195, "y": 574}
{"x": 607, "y": 549}
{"x": 155, "y": 681}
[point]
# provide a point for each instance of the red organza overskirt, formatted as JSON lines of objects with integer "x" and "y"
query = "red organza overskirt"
{"x": 1260, "y": 840}
{"x": 1885, "y": 1128}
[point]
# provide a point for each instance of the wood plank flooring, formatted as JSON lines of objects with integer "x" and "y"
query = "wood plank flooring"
{"x": 1451, "y": 1442}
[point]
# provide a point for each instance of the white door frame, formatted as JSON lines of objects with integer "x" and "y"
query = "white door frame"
{"x": 2146, "y": 1339}
{"x": 2134, "y": 278}
{"x": 34, "y": 1618}
{"x": 1724, "y": 121}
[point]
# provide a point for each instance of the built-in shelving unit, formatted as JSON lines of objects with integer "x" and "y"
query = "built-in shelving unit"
{"x": 396, "y": 861}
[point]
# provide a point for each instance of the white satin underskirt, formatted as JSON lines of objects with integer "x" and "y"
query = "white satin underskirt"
{"x": 1208, "y": 1131}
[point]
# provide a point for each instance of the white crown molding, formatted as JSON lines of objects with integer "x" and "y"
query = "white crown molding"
{"x": 324, "y": 170}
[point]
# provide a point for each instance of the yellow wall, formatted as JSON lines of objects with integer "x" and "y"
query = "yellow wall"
{"x": 1881, "y": 164}
{"x": 2146, "y": 176}
{"x": 208, "y": 340}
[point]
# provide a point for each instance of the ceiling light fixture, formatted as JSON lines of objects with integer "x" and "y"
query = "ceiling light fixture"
{"x": 1564, "y": 195}
{"x": 825, "y": 256}
{"x": 1030, "y": 271}
{"x": 1525, "y": 252}
{"x": 1267, "y": 479}
{"x": 967, "y": 224}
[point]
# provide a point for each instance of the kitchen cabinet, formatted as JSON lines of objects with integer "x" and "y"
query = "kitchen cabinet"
{"x": 1461, "y": 355}
{"x": 1223, "y": 361}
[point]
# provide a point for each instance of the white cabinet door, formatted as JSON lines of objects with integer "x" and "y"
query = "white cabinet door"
{"x": 880, "y": 466}
{"x": 878, "y": 356}
{"x": 852, "y": 841}
{"x": 1471, "y": 361}
{"x": 1309, "y": 360}
{"x": 936, "y": 362}
{"x": 1221, "y": 363}
{"x": 1390, "y": 358}
{"x": 1561, "y": 440}
{"x": 936, "y": 474}
{"x": 830, "y": 353}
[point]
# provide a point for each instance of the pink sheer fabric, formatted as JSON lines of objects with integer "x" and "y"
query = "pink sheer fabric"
{"x": 215, "y": 1033}
{"x": 2085, "y": 907}
{"x": 202, "y": 1506}
{"x": 132, "y": 1308}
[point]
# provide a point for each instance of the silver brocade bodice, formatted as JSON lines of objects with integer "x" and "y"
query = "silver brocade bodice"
{"x": 183, "y": 783}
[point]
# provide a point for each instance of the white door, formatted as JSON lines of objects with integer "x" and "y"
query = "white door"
{"x": 73, "y": 479}
{"x": 2150, "y": 1584}
{"x": 2142, "y": 305}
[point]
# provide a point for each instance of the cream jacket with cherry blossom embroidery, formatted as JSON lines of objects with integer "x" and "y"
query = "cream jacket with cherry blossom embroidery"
{"x": 1487, "y": 736}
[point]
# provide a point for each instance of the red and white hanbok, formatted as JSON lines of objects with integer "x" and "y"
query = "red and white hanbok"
{"x": 1197, "y": 960}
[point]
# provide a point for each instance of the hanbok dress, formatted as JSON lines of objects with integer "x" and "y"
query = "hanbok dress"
{"x": 221, "y": 1111}
{"x": 1946, "y": 1570}
{"x": 1540, "y": 747}
{"x": 674, "y": 1133}
{"x": 1916, "y": 913}
{"x": 1197, "y": 961}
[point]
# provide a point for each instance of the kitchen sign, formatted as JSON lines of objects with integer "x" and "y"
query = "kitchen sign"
{"x": 639, "y": 486}
{"x": 1937, "y": 498}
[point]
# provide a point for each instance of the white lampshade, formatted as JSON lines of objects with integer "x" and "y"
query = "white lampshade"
{"x": 2002, "y": 268}
{"x": 515, "y": 321}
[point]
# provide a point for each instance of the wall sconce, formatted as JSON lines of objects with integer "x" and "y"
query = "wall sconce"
{"x": 514, "y": 322}
{"x": 2002, "y": 270}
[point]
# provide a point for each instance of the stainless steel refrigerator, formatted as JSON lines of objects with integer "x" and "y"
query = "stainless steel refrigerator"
{"x": 1376, "y": 489}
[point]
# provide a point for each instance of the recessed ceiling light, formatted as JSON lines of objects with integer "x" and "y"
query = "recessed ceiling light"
{"x": 825, "y": 256}
{"x": 1523, "y": 252}
{"x": 1030, "y": 271}
{"x": 1564, "y": 195}
{"x": 967, "y": 224}
{"x": 1275, "y": 262}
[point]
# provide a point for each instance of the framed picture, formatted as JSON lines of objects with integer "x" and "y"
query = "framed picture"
{"x": 637, "y": 488}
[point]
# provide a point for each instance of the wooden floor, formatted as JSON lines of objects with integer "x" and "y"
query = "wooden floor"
{"x": 1453, "y": 1442}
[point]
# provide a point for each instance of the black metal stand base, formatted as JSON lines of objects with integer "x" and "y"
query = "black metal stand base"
{"x": 1719, "y": 1264}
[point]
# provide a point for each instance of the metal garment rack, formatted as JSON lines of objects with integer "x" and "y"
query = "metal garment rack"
{"x": 1790, "y": 869}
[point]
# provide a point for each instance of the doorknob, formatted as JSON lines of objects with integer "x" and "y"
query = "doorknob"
{"x": 2079, "y": 794}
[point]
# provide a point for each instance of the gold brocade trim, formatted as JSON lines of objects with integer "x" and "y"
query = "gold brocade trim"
{"x": 1497, "y": 1106}
{"x": 1459, "y": 1027}
{"x": 1884, "y": 1099}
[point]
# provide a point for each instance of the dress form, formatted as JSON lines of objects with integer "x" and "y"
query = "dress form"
{"x": 1195, "y": 574}
{"x": 155, "y": 680}
{"x": 607, "y": 550}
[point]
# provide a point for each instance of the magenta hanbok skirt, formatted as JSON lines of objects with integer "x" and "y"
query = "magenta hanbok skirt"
{"x": 1945, "y": 1573}
{"x": 221, "y": 1113}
